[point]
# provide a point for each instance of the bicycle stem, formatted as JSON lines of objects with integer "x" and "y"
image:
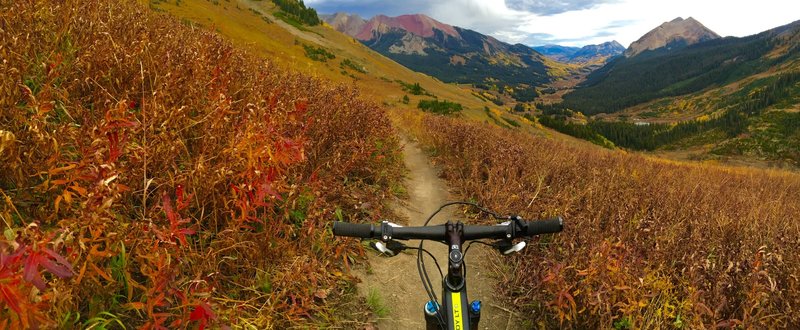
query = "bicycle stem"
{"x": 454, "y": 232}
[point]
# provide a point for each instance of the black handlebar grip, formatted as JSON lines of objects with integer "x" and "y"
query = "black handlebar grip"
{"x": 547, "y": 226}
{"x": 353, "y": 229}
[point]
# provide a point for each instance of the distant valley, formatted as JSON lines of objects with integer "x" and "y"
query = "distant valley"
{"x": 681, "y": 90}
{"x": 681, "y": 86}
{"x": 500, "y": 72}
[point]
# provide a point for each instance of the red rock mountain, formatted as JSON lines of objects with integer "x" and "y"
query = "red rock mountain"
{"x": 450, "y": 53}
{"x": 360, "y": 29}
{"x": 676, "y": 33}
{"x": 418, "y": 24}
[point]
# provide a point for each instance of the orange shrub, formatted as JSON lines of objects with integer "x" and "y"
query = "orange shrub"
{"x": 647, "y": 243}
{"x": 155, "y": 176}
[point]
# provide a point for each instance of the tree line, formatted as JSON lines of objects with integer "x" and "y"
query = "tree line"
{"x": 750, "y": 103}
{"x": 625, "y": 82}
{"x": 298, "y": 10}
{"x": 439, "y": 107}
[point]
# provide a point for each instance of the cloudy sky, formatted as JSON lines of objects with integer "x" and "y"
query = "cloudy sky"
{"x": 579, "y": 22}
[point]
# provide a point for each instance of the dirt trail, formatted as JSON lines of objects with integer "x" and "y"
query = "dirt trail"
{"x": 309, "y": 36}
{"x": 397, "y": 280}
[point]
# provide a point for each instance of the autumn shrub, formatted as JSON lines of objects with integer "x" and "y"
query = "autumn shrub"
{"x": 647, "y": 243}
{"x": 153, "y": 175}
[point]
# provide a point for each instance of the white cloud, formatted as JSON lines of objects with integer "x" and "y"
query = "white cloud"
{"x": 550, "y": 7}
{"x": 727, "y": 18}
{"x": 485, "y": 16}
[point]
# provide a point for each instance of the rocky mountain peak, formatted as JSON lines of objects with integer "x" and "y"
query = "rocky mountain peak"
{"x": 676, "y": 33}
{"x": 345, "y": 23}
{"x": 418, "y": 24}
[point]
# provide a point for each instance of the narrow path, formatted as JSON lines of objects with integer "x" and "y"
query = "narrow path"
{"x": 308, "y": 36}
{"x": 397, "y": 279}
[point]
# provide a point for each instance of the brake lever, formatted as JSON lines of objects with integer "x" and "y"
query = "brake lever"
{"x": 390, "y": 248}
{"x": 505, "y": 247}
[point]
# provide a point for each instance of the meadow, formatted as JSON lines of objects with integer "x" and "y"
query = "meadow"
{"x": 153, "y": 175}
{"x": 648, "y": 243}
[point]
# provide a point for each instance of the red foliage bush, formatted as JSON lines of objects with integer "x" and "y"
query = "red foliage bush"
{"x": 153, "y": 175}
{"x": 647, "y": 243}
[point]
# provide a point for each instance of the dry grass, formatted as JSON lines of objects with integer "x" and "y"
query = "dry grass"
{"x": 284, "y": 48}
{"x": 155, "y": 176}
{"x": 647, "y": 243}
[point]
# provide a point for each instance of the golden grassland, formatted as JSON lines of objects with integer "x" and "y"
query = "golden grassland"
{"x": 152, "y": 175}
{"x": 282, "y": 44}
{"x": 648, "y": 243}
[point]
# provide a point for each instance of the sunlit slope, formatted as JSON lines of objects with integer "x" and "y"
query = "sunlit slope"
{"x": 663, "y": 72}
{"x": 768, "y": 129}
{"x": 253, "y": 25}
{"x": 155, "y": 176}
{"x": 710, "y": 102}
{"x": 647, "y": 243}
{"x": 735, "y": 100}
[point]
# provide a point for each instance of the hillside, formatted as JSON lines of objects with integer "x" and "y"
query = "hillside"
{"x": 731, "y": 99}
{"x": 753, "y": 121}
{"x": 153, "y": 175}
{"x": 647, "y": 243}
{"x": 451, "y": 54}
{"x": 760, "y": 121}
{"x": 628, "y": 81}
{"x": 259, "y": 27}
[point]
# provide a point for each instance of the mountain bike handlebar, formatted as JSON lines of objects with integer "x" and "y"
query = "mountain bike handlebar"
{"x": 386, "y": 231}
{"x": 453, "y": 311}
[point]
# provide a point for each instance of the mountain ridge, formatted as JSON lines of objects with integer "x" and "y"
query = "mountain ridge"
{"x": 449, "y": 53}
{"x": 580, "y": 55}
{"x": 602, "y": 51}
{"x": 628, "y": 81}
{"x": 418, "y": 24}
{"x": 557, "y": 52}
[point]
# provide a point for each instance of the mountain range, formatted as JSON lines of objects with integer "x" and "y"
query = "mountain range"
{"x": 690, "y": 58}
{"x": 449, "y": 53}
{"x": 683, "y": 91}
{"x": 689, "y": 86}
{"x": 585, "y": 54}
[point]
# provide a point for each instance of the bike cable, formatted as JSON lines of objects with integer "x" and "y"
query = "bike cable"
{"x": 483, "y": 209}
{"x": 423, "y": 273}
{"x": 426, "y": 281}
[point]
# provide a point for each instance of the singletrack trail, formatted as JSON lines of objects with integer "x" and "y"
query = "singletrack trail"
{"x": 397, "y": 280}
